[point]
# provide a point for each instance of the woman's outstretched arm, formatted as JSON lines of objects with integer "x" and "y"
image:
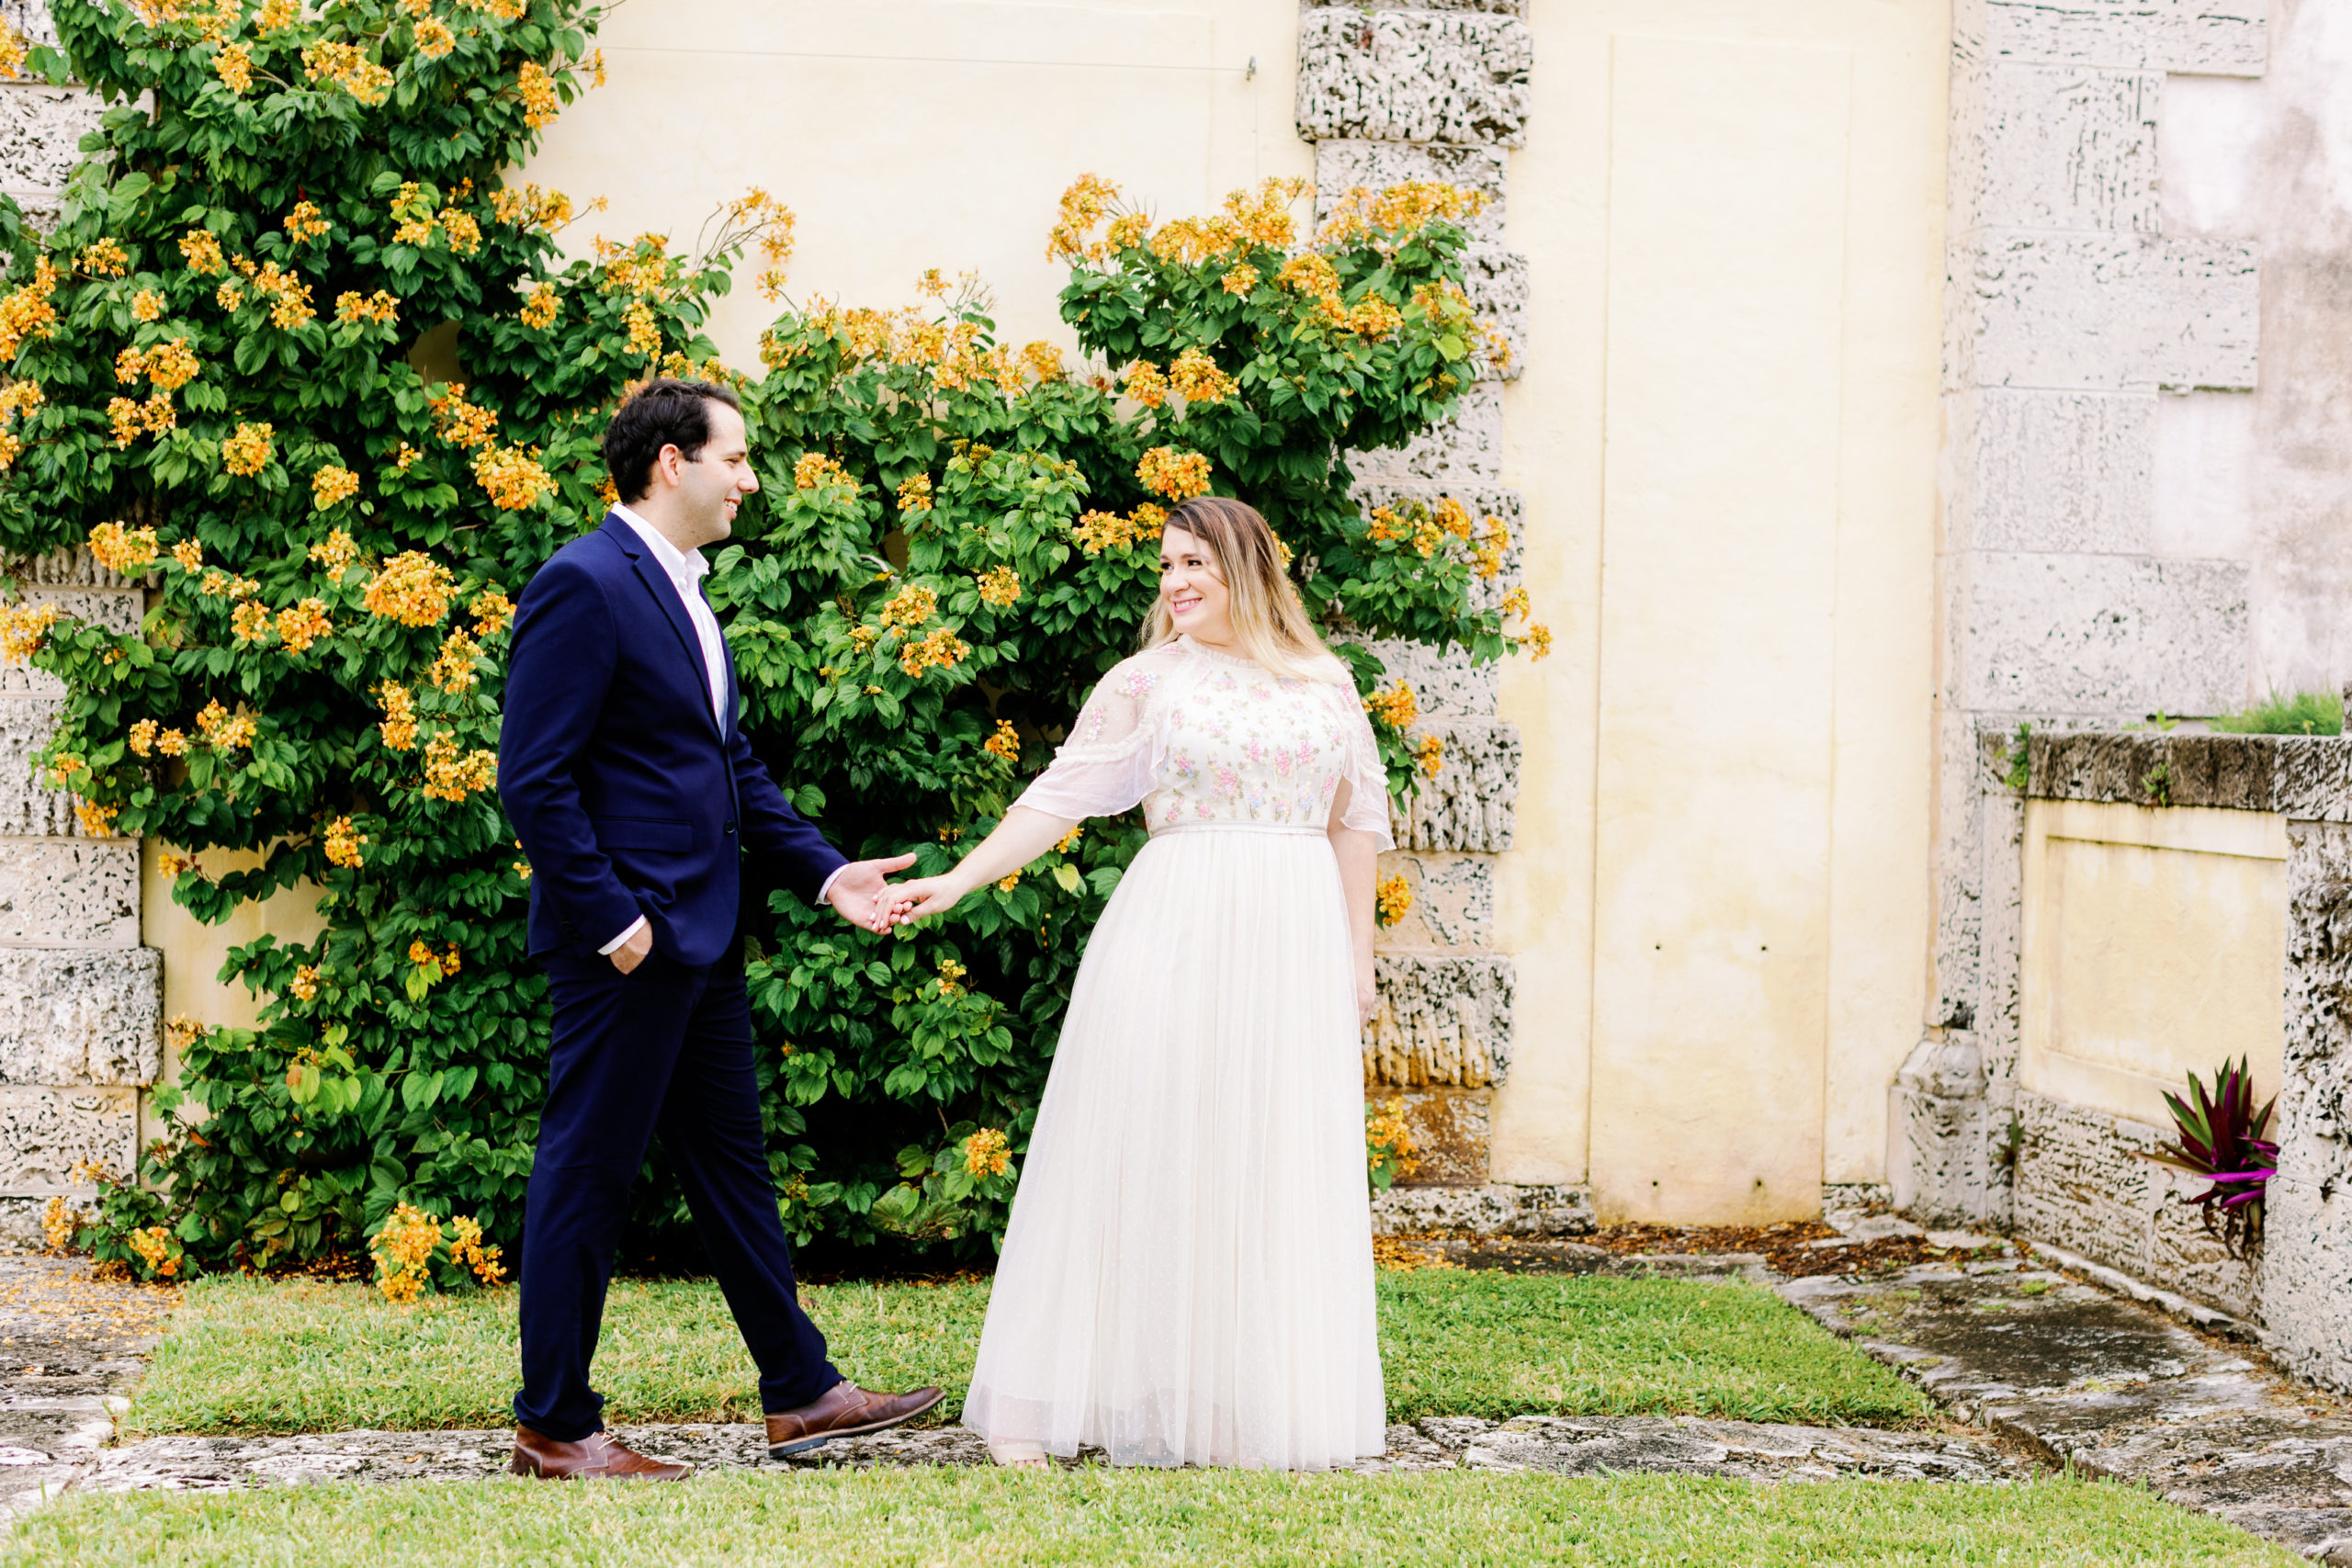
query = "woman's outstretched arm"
{"x": 1358, "y": 856}
{"x": 1024, "y": 835}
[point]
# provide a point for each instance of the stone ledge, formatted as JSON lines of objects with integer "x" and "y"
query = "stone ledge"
{"x": 28, "y": 806}
{"x": 1413, "y": 76}
{"x": 75, "y": 1018}
{"x": 1442, "y": 1020}
{"x": 69, "y": 893}
{"x": 2307, "y": 777}
{"x": 1471, "y": 805}
{"x": 1492, "y": 1210}
{"x": 45, "y": 1132}
{"x": 2217, "y": 37}
{"x": 1343, "y": 165}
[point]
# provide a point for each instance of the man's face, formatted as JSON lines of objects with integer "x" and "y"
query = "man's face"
{"x": 712, "y": 486}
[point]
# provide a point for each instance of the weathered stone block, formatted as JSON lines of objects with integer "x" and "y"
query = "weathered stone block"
{"x": 2120, "y": 311}
{"x": 1413, "y": 76}
{"x": 76, "y": 1016}
{"x": 26, "y": 803}
{"x": 1496, "y": 280}
{"x": 1342, "y": 166}
{"x": 40, "y": 133}
{"x": 2082, "y": 1185}
{"x": 32, "y": 18}
{"x": 1442, "y": 1020}
{"x": 117, "y": 610}
{"x": 2044, "y": 470}
{"x": 1494, "y": 1209}
{"x": 2219, "y": 38}
{"x": 69, "y": 893}
{"x": 1945, "y": 1168}
{"x": 2305, "y": 777}
{"x": 46, "y": 1132}
{"x": 1471, "y": 803}
{"x": 1444, "y": 681}
{"x": 1453, "y": 902}
{"x": 1449, "y": 1132}
{"x": 2053, "y": 147}
{"x": 2305, "y": 1302}
{"x": 2098, "y": 634}
{"x": 1482, "y": 501}
{"x": 74, "y": 566}
{"x": 1464, "y": 450}
{"x": 1498, "y": 8}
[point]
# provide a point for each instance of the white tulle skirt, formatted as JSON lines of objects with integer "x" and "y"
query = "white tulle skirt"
{"x": 1187, "y": 1275}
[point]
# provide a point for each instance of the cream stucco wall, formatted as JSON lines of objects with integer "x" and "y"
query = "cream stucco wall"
{"x": 2154, "y": 943}
{"x": 907, "y": 134}
{"x": 1726, "y": 435}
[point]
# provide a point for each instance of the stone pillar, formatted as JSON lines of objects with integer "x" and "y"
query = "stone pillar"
{"x": 80, "y": 998}
{"x": 1438, "y": 92}
{"x": 2068, "y": 314}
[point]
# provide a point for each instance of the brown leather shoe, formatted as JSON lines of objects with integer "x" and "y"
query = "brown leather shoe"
{"x": 844, "y": 1410}
{"x": 596, "y": 1457}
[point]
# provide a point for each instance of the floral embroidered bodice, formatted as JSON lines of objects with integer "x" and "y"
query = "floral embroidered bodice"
{"x": 1200, "y": 738}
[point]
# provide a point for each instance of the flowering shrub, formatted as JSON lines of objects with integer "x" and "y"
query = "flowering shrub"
{"x": 953, "y": 540}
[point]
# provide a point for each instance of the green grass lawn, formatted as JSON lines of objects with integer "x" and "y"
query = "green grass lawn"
{"x": 250, "y": 1356}
{"x": 1226, "y": 1517}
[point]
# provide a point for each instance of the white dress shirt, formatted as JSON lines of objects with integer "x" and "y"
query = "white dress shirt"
{"x": 686, "y": 569}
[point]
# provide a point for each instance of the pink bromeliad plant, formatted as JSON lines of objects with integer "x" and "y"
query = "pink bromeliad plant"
{"x": 2220, "y": 1139}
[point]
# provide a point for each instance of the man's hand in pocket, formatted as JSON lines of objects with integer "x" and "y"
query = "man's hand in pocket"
{"x": 632, "y": 953}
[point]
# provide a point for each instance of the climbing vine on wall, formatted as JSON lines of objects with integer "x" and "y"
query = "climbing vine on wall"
{"x": 215, "y": 380}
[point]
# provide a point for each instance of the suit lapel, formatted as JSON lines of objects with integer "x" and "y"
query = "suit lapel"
{"x": 665, "y": 593}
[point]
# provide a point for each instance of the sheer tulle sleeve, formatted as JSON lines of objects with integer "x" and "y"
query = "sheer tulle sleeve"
{"x": 1368, "y": 796}
{"x": 1106, "y": 765}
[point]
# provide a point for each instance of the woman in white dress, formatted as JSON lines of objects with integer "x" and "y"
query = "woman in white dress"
{"x": 1187, "y": 1275}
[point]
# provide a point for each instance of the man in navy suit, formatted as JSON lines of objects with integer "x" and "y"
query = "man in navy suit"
{"x": 623, "y": 768}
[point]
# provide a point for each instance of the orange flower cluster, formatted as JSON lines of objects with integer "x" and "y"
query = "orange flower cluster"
{"x": 251, "y": 621}
{"x": 202, "y": 252}
{"x": 381, "y": 306}
{"x": 27, "y": 312}
{"x": 1538, "y": 638}
{"x": 453, "y": 667}
{"x": 398, "y": 724}
{"x": 121, "y": 549}
{"x": 1249, "y": 219}
{"x": 460, "y": 423}
{"x": 464, "y": 235}
{"x": 1516, "y": 603}
{"x": 814, "y": 471}
{"x": 450, "y": 775}
{"x": 98, "y": 821}
{"x": 1098, "y": 531}
{"x": 104, "y": 258}
{"x": 1144, "y": 382}
{"x": 940, "y": 648}
{"x": 1397, "y": 709}
{"x": 1488, "y": 556}
{"x": 347, "y": 66}
{"x": 466, "y": 1251}
{"x": 528, "y": 207}
{"x": 303, "y": 625}
{"x": 276, "y": 14}
{"x": 189, "y": 554}
{"x": 1391, "y": 899}
{"x": 146, "y": 305}
{"x": 914, "y": 495}
{"x": 512, "y": 477}
{"x": 1239, "y": 280}
{"x": 336, "y": 552}
{"x": 142, "y": 737}
{"x": 911, "y": 607}
{"x": 305, "y": 984}
{"x": 307, "y": 223}
{"x": 1004, "y": 743}
{"x": 219, "y": 584}
{"x": 541, "y": 306}
{"x": 1176, "y": 474}
{"x": 248, "y": 451}
{"x": 1194, "y": 377}
{"x": 234, "y": 65}
{"x": 158, "y": 1248}
{"x": 434, "y": 39}
{"x": 403, "y": 1252}
{"x": 1430, "y": 755}
{"x": 987, "y": 1153}
{"x": 1000, "y": 586}
{"x": 332, "y": 486}
{"x": 756, "y": 216}
{"x": 343, "y": 845}
{"x": 290, "y": 297}
{"x": 223, "y": 730}
{"x": 417, "y": 224}
{"x": 492, "y": 610}
{"x": 1389, "y": 216}
{"x": 129, "y": 417}
{"x": 644, "y": 330}
{"x": 411, "y": 588}
{"x": 1043, "y": 360}
{"x": 951, "y": 978}
{"x": 540, "y": 102}
{"x": 13, "y": 51}
{"x": 61, "y": 771}
{"x": 1090, "y": 198}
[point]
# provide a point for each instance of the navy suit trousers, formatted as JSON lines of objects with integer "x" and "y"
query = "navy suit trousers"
{"x": 665, "y": 1048}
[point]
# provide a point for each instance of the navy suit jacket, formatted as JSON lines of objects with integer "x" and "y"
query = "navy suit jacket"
{"x": 629, "y": 798}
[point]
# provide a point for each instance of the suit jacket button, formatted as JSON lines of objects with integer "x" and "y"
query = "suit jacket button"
{"x": 731, "y": 829}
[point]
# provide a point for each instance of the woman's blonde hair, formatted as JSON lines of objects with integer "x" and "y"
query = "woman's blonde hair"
{"x": 1268, "y": 622}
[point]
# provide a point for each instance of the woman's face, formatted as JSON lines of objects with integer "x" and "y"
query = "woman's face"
{"x": 1192, "y": 588}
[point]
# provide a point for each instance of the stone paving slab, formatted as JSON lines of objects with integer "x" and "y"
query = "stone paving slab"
{"x": 2111, "y": 1387}
{"x": 1578, "y": 1447}
{"x": 71, "y": 1348}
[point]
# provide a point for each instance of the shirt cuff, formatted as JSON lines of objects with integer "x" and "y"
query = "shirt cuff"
{"x": 613, "y": 946}
{"x": 826, "y": 891}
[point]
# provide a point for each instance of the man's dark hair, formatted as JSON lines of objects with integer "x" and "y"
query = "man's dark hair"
{"x": 665, "y": 412}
